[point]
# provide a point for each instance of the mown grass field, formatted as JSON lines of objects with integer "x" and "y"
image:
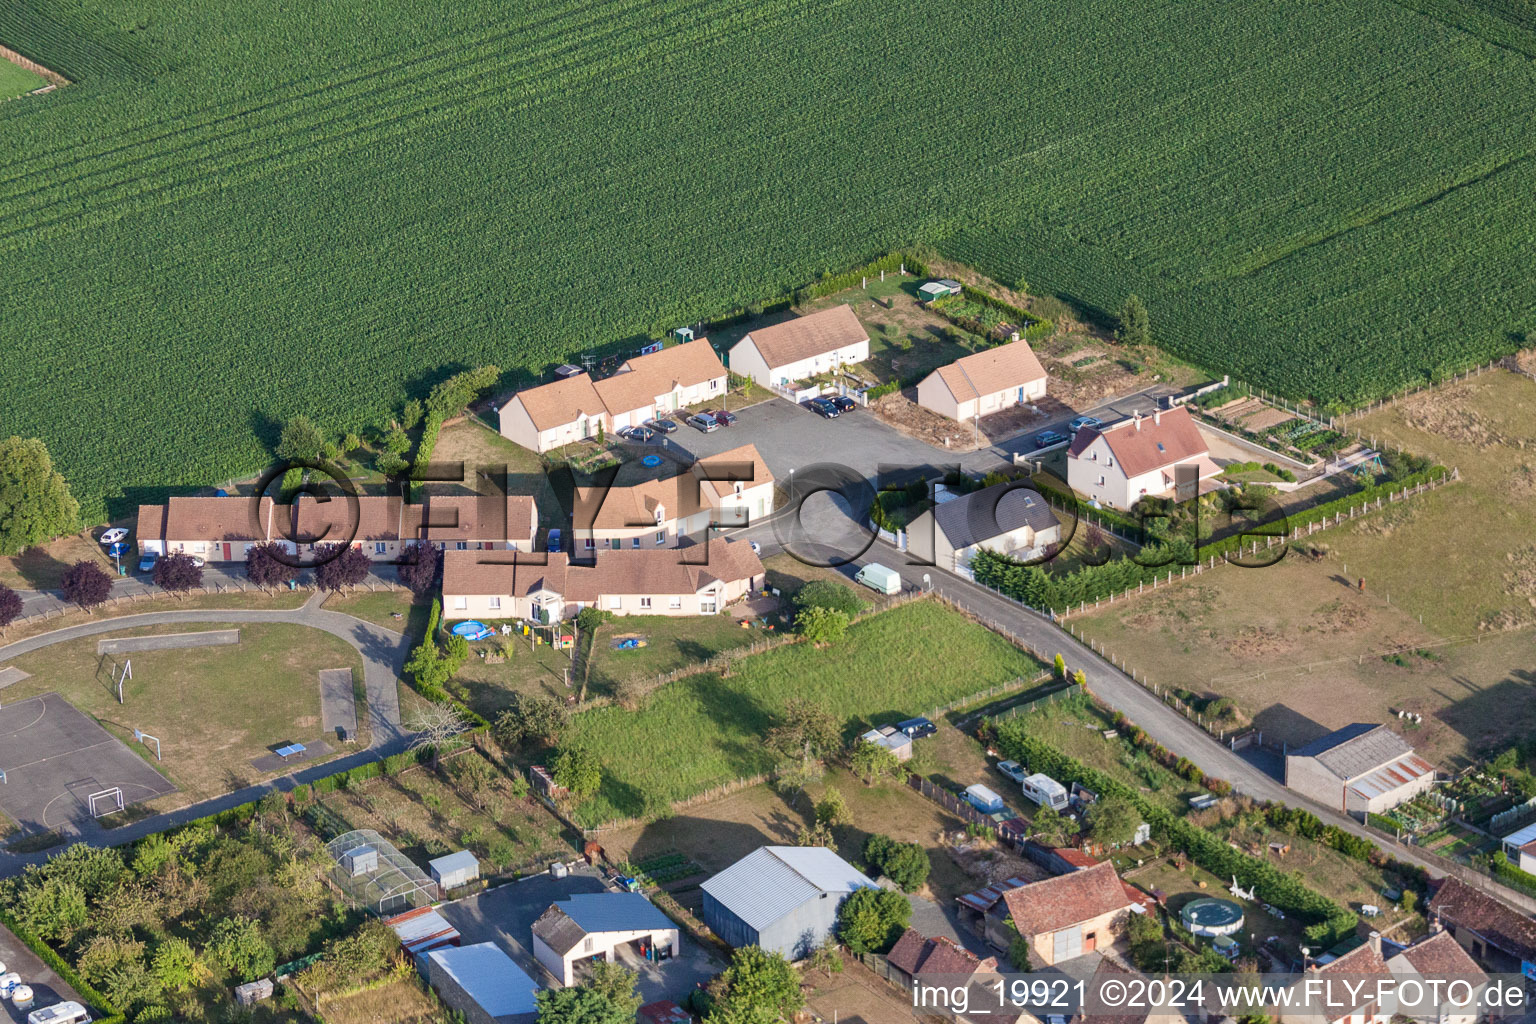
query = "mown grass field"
{"x": 240, "y": 212}
{"x": 706, "y": 730}
{"x": 16, "y": 80}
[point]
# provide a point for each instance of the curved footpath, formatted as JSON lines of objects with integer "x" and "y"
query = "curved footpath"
{"x": 383, "y": 651}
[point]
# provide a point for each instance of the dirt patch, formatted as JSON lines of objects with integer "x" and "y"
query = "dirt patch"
{"x": 1446, "y": 413}
{"x": 926, "y": 425}
{"x": 1341, "y": 617}
{"x": 1265, "y": 417}
{"x": 1520, "y": 576}
{"x": 1256, "y": 642}
{"x": 54, "y": 78}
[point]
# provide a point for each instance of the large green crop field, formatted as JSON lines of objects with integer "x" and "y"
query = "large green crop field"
{"x": 241, "y": 211}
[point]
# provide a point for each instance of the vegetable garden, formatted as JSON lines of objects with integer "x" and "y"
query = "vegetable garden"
{"x": 242, "y": 212}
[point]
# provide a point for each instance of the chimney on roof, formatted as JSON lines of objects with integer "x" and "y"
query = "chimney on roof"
{"x": 1157, "y": 417}
{"x": 1138, "y": 421}
{"x": 1435, "y": 925}
{"x": 1375, "y": 942}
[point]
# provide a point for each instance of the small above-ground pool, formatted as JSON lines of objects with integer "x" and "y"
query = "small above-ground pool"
{"x": 651, "y": 460}
{"x": 472, "y": 630}
{"x": 1212, "y": 916}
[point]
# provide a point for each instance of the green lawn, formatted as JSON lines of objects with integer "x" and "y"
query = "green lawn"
{"x": 213, "y": 708}
{"x": 671, "y": 643}
{"x": 707, "y": 730}
{"x": 16, "y": 80}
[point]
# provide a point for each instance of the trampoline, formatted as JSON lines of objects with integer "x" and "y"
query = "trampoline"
{"x": 1210, "y": 916}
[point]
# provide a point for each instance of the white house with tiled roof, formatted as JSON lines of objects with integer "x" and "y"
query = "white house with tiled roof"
{"x": 575, "y": 408}
{"x": 802, "y": 347}
{"x": 1153, "y": 455}
{"x": 984, "y": 382}
{"x": 732, "y": 489}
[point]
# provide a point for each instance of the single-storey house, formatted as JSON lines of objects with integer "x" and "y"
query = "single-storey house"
{"x": 984, "y": 382}
{"x": 1498, "y": 936}
{"x": 802, "y": 347}
{"x": 1439, "y": 955}
{"x": 482, "y": 983}
{"x": 1009, "y": 518}
{"x": 661, "y": 383}
{"x": 554, "y": 414}
{"x": 782, "y": 898}
{"x": 1359, "y": 769}
{"x": 577, "y": 407}
{"x": 727, "y": 490}
{"x": 214, "y": 529}
{"x": 1065, "y": 916}
{"x": 916, "y": 954}
{"x": 473, "y": 522}
{"x": 1163, "y": 455}
{"x": 1520, "y": 848}
{"x": 593, "y": 925}
{"x": 696, "y": 580}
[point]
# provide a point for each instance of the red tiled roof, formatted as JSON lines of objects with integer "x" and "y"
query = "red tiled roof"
{"x": 641, "y": 379}
{"x": 807, "y": 336}
{"x": 664, "y": 1011}
{"x": 916, "y": 954}
{"x": 151, "y": 522}
{"x": 228, "y": 518}
{"x": 1056, "y": 903}
{"x": 330, "y": 521}
{"x": 992, "y": 370}
{"x": 1461, "y": 905}
{"x": 1363, "y": 959}
{"x": 561, "y": 402}
{"x": 1439, "y": 955}
{"x": 642, "y": 571}
{"x": 472, "y": 517}
{"x": 1147, "y": 442}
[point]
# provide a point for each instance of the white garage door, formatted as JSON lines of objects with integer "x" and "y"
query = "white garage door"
{"x": 1068, "y": 943}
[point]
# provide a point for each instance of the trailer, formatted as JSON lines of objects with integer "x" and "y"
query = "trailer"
{"x": 1045, "y": 791}
{"x": 983, "y": 799}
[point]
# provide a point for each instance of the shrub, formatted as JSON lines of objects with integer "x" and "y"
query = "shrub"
{"x": 871, "y": 920}
{"x": 829, "y": 594}
{"x": 906, "y": 864}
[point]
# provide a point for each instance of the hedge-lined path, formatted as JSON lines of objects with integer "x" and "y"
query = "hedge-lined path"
{"x": 384, "y": 653}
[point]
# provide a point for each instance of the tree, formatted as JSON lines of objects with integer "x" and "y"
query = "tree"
{"x": 1048, "y": 826}
{"x": 86, "y": 584}
{"x": 301, "y": 441}
{"x": 178, "y": 573}
{"x": 264, "y": 564}
{"x": 411, "y": 415}
{"x": 822, "y": 626}
{"x": 1135, "y": 327}
{"x": 35, "y": 503}
{"x": 472, "y": 774}
{"x": 578, "y": 770}
{"x": 616, "y": 983}
{"x": 1113, "y": 820}
{"x": 906, "y": 864}
{"x": 116, "y": 967}
{"x": 872, "y": 762}
{"x": 1060, "y": 666}
{"x": 832, "y": 809}
{"x": 808, "y": 733}
{"x": 419, "y": 570}
{"x": 54, "y": 908}
{"x": 871, "y": 920}
{"x": 829, "y": 594}
{"x": 436, "y": 727}
{"x": 532, "y": 717}
{"x": 757, "y": 986}
{"x": 238, "y": 946}
{"x": 1080, "y": 678}
{"x": 579, "y": 1005}
{"x": 350, "y": 442}
{"x": 175, "y": 965}
{"x": 341, "y": 566}
{"x": 10, "y": 606}
{"x": 818, "y": 833}
{"x": 452, "y": 395}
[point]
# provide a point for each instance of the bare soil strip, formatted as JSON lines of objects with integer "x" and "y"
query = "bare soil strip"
{"x": 53, "y": 77}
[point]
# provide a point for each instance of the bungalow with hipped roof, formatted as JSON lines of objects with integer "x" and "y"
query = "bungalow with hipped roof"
{"x": 1066, "y": 916}
{"x": 984, "y": 382}
{"x": 1163, "y": 455}
{"x": 1009, "y": 518}
{"x": 697, "y": 580}
{"x": 577, "y": 407}
{"x": 214, "y": 529}
{"x": 724, "y": 491}
{"x": 802, "y": 347}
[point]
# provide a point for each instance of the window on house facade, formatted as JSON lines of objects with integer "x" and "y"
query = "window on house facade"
{"x": 714, "y": 385}
{"x": 645, "y": 602}
{"x": 1101, "y": 479}
{"x": 460, "y": 603}
{"x": 589, "y": 543}
{"x": 461, "y": 545}
{"x": 378, "y": 547}
{"x": 616, "y": 543}
{"x": 615, "y": 602}
{"x": 1109, "y": 461}
{"x": 674, "y": 602}
{"x": 661, "y": 537}
{"x": 634, "y": 542}
{"x": 494, "y": 604}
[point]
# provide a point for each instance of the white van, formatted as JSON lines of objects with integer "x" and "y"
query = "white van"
{"x": 59, "y": 1013}
{"x": 878, "y": 577}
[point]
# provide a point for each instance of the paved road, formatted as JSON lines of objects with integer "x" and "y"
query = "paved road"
{"x": 383, "y": 651}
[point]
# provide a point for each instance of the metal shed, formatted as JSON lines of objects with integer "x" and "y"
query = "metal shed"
{"x": 454, "y": 870}
{"x": 782, "y": 898}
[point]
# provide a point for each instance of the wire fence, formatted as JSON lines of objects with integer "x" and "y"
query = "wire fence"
{"x": 1510, "y": 362}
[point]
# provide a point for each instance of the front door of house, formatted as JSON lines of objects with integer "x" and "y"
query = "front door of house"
{"x": 227, "y": 556}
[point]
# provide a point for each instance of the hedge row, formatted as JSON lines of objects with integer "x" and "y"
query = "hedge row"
{"x": 830, "y": 284}
{"x": 1328, "y": 921}
{"x": 60, "y": 967}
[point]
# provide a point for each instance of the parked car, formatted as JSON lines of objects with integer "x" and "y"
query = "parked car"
{"x": 725, "y": 419}
{"x": 844, "y": 403}
{"x": 703, "y": 423}
{"x": 198, "y": 561}
{"x": 553, "y": 542}
{"x": 639, "y": 435}
{"x": 917, "y": 728}
{"x": 1084, "y": 421}
{"x": 1013, "y": 770}
{"x": 147, "y": 562}
{"x": 757, "y": 548}
{"x": 662, "y": 426}
{"x": 1046, "y": 438}
{"x": 823, "y": 407}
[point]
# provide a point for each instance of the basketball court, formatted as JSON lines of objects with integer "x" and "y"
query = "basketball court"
{"x": 59, "y": 765}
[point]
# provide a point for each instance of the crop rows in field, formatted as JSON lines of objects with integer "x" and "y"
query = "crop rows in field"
{"x": 247, "y": 211}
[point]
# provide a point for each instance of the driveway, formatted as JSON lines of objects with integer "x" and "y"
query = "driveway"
{"x": 47, "y": 988}
{"x": 505, "y": 916}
